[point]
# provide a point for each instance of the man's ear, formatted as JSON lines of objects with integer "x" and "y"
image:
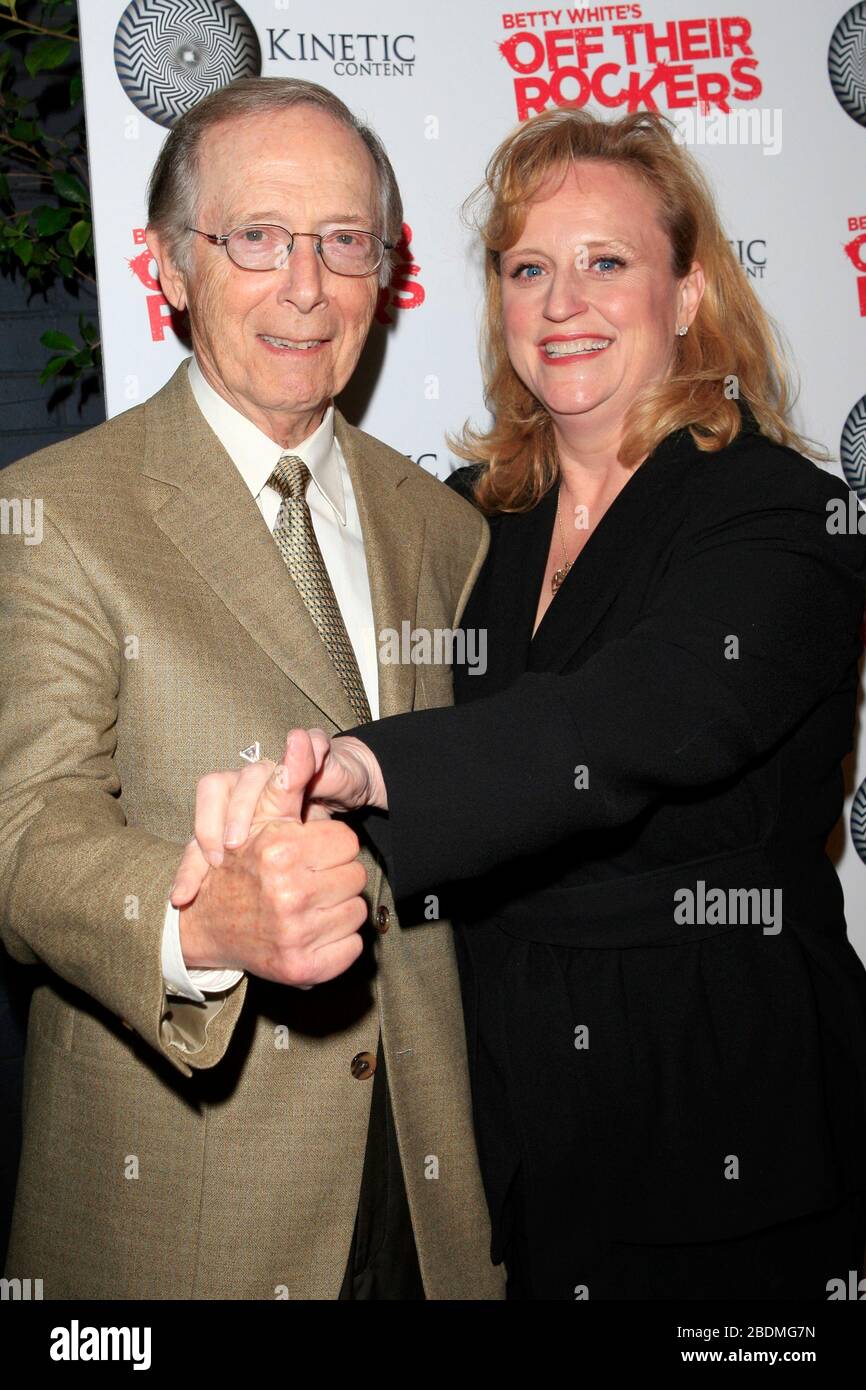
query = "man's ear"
{"x": 170, "y": 278}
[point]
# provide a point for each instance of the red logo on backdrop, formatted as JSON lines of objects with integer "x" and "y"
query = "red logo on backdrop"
{"x": 160, "y": 313}
{"x": 577, "y": 58}
{"x": 402, "y": 291}
{"x": 856, "y": 252}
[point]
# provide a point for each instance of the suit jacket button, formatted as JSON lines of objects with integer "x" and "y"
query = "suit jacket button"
{"x": 383, "y": 918}
{"x": 363, "y": 1066}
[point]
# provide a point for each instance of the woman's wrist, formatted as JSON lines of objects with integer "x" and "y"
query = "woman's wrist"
{"x": 373, "y": 791}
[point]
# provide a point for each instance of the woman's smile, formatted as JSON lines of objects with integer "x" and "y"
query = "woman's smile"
{"x": 560, "y": 349}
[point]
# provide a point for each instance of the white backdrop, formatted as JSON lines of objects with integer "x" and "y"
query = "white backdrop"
{"x": 442, "y": 83}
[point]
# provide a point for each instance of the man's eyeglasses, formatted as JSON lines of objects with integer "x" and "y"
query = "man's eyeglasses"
{"x": 344, "y": 251}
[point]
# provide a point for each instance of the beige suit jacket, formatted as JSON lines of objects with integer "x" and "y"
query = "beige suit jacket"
{"x": 176, "y": 1150}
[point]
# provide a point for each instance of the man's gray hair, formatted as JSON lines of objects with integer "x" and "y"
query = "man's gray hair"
{"x": 172, "y": 190}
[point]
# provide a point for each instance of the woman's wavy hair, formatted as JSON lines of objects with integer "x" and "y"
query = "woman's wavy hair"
{"x": 731, "y": 340}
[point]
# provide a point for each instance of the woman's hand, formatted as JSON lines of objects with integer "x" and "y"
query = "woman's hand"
{"x": 314, "y": 777}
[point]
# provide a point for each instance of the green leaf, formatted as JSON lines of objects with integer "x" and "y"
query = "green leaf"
{"x": 23, "y": 130}
{"x": 87, "y": 330}
{"x": 53, "y": 338}
{"x": 24, "y": 251}
{"x": 45, "y": 54}
{"x": 78, "y": 236}
{"x": 50, "y": 220}
{"x": 70, "y": 188}
{"x": 83, "y": 358}
{"x": 65, "y": 266}
{"x": 5, "y": 195}
{"x": 75, "y": 91}
{"x": 52, "y": 367}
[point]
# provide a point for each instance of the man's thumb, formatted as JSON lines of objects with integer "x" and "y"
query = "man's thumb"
{"x": 284, "y": 794}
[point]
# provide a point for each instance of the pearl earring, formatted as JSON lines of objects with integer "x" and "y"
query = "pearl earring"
{"x": 681, "y": 332}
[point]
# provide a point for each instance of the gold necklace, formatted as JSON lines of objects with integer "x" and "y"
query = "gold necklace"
{"x": 559, "y": 575}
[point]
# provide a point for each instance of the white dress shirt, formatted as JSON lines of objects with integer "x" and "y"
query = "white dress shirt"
{"x": 338, "y": 532}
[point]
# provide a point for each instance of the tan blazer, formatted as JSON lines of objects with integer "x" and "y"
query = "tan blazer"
{"x": 175, "y": 1150}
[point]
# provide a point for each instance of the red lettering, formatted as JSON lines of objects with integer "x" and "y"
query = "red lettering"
{"x": 854, "y": 251}
{"x": 140, "y": 268}
{"x": 735, "y": 34}
{"x": 655, "y": 42}
{"x": 585, "y": 46}
{"x": 159, "y": 313}
{"x": 583, "y": 84}
{"x": 692, "y": 33}
{"x": 640, "y": 93}
{"x": 406, "y": 295}
{"x": 531, "y": 94}
{"x": 509, "y": 48}
{"x": 601, "y": 96}
{"x": 627, "y": 33}
{"x": 713, "y": 90}
{"x": 742, "y": 71}
{"x": 559, "y": 44}
{"x": 402, "y": 292}
{"x": 681, "y": 87}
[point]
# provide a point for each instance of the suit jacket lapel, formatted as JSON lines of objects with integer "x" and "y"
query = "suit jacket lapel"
{"x": 213, "y": 520}
{"x": 393, "y": 529}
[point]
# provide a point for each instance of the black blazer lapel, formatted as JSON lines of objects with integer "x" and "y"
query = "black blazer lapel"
{"x": 602, "y": 567}
{"x": 505, "y": 597}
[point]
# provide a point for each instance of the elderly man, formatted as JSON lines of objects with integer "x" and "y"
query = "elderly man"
{"x": 265, "y": 1094}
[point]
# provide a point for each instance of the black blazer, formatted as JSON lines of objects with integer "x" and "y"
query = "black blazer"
{"x": 653, "y": 1077}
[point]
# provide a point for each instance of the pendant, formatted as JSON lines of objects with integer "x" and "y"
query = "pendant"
{"x": 559, "y": 575}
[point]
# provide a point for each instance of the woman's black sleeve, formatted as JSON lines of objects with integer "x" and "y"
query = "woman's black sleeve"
{"x": 662, "y": 708}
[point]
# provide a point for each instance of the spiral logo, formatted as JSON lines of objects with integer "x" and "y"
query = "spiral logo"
{"x": 852, "y": 454}
{"x": 846, "y": 62}
{"x": 858, "y": 821}
{"x": 171, "y": 53}
{"x": 852, "y": 449}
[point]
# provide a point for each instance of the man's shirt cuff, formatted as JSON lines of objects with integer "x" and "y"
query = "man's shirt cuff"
{"x": 189, "y": 984}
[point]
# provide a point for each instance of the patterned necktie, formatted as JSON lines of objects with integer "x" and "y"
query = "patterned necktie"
{"x": 294, "y": 534}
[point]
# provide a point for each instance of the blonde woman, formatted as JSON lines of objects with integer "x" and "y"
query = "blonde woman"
{"x": 666, "y": 1022}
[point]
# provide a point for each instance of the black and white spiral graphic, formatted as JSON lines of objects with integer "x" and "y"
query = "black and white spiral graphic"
{"x": 846, "y": 62}
{"x": 852, "y": 449}
{"x": 858, "y": 821}
{"x": 171, "y": 53}
{"x": 852, "y": 455}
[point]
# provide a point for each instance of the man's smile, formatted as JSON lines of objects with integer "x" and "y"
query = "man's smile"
{"x": 282, "y": 346}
